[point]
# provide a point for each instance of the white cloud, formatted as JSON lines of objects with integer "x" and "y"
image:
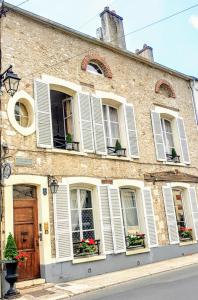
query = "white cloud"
{"x": 194, "y": 21}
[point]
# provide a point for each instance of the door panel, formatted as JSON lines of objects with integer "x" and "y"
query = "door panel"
{"x": 26, "y": 236}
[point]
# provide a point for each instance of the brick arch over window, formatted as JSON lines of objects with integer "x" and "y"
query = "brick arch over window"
{"x": 163, "y": 84}
{"x": 93, "y": 57}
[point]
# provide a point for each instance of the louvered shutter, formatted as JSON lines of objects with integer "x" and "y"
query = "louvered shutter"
{"x": 131, "y": 131}
{"x": 62, "y": 224}
{"x": 150, "y": 219}
{"x": 158, "y": 136}
{"x": 170, "y": 215}
{"x": 43, "y": 114}
{"x": 116, "y": 220}
{"x": 183, "y": 141}
{"x": 194, "y": 209}
{"x": 98, "y": 124}
{"x": 106, "y": 220}
{"x": 86, "y": 122}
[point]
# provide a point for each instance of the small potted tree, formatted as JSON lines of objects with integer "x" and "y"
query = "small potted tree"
{"x": 118, "y": 148}
{"x": 69, "y": 141}
{"x": 12, "y": 260}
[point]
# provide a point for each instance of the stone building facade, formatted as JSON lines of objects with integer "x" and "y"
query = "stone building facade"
{"x": 119, "y": 134}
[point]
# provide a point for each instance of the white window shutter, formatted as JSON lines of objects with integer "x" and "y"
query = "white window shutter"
{"x": 62, "y": 224}
{"x": 98, "y": 124}
{"x": 170, "y": 215}
{"x": 194, "y": 209}
{"x": 150, "y": 218}
{"x": 158, "y": 136}
{"x": 86, "y": 122}
{"x": 106, "y": 220}
{"x": 131, "y": 130}
{"x": 183, "y": 141}
{"x": 43, "y": 114}
{"x": 116, "y": 220}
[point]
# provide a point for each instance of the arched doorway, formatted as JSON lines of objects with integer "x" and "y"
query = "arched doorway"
{"x": 26, "y": 229}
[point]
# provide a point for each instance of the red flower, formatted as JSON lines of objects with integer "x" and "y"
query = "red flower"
{"x": 91, "y": 242}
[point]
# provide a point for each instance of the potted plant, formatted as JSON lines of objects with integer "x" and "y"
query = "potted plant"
{"x": 87, "y": 247}
{"x": 136, "y": 240}
{"x": 185, "y": 234}
{"x": 12, "y": 260}
{"x": 69, "y": 141}
{"x": 118, "y": 148}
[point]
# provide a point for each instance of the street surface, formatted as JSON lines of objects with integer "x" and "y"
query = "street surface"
{"x": 181, "y": 284}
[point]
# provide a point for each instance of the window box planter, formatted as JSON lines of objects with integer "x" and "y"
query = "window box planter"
{"x": 135, "y": 241}
{"x": 171, "y": 158}
{"x": 85, "y": 248}
{"x": 116, "y": 152}
{"x": 185, "y": 234}
{"x": 61, "y": 143}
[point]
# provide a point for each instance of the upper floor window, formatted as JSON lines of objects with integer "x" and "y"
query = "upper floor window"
{"x": 170, "y": 137}
{"x": 167, "y": 135}
{"x": 62, "y": 121}
{"x": 164, "y": 88}
{"x": 21, "y": 114}
{"x": 110, "y": 115}
{"x": 94, "y": 68}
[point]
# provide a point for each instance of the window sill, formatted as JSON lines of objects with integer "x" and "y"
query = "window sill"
{"x": 64, "y": 151}
{"x": 117, "y": 157}
{"x": 88, "y": 259}
{"x": 138, "y": 251}
{"x": 181, "y": 244}
{"x": 175, "y": 164}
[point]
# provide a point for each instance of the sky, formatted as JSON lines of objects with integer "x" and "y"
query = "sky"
{"x": 174, "y": 41}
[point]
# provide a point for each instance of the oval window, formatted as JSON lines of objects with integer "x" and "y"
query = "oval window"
{"x": 21, "y": 114}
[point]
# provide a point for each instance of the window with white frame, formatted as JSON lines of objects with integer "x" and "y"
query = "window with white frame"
{"x": 68, "y": 116}
{"x": 111, "y": 124}
{"x": 167, "y": 135}
{"x": 82, "y": 215}
{"x": 130, "y": 211}
{"x": 94, "y": 68}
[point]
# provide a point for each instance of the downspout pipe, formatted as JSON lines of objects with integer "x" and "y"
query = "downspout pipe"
{"x": 195, "y": 103}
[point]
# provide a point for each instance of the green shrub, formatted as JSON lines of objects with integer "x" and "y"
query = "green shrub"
{"x": 10, "y": 251}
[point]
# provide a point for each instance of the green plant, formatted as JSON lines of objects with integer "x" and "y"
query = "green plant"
{"x": 136, "y": 239}
{"x": 118, "y": 146}
{"x": 10, "y": 251}
{"x": 69, "y": 138}
{"x": 87, "y": 246}
{"x": 185, "y": 233}
{"x": 174, "y": 153}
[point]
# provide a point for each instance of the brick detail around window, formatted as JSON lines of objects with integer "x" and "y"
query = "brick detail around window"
{"x": 93, "y": 57}
{"x": 164, "y": 83}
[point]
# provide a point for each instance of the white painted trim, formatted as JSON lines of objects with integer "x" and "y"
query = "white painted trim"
{"x": 81, "y": 180}
{"x": 178, "y": 184}
{"x": 111, "y": 96}
{"x": 61, "y": 82}
{"x": 129, "y": 183}
{"x": 28, "y": 101}
{"x": 163, "y": 110}
{"x": 43, "y": 210}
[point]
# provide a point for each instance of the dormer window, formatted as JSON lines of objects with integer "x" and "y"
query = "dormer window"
{"x": 92, "y": 67}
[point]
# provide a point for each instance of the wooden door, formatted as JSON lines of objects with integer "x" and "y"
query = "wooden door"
{"x": 26, "y": 236}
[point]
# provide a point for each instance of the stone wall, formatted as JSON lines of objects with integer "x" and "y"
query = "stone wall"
{"x": 35, "y": 49}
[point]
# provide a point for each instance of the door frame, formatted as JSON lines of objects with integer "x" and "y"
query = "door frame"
{"x": 40, "y": 182}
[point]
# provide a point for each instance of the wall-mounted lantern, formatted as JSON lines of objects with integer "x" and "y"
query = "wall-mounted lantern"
{"x": 53, "y": 184}
{"x": 10, "y": 81}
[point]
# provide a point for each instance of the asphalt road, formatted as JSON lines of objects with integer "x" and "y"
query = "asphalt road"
{"x": 181, "y": 284}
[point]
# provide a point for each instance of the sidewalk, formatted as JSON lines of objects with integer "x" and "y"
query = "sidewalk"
{"x": 71, "y": 288}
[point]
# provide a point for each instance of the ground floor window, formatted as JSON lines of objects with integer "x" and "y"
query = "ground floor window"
{"x": 83, "y": 232}
{"x": 184, "y": 230}
{"x": 133, "y": 234}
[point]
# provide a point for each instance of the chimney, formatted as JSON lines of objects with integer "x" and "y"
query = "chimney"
{"x": 146, "y": 52}
{"x": 112, "y": 28}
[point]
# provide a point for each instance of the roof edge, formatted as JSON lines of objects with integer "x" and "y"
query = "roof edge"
{"x": 95, "y": 41}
